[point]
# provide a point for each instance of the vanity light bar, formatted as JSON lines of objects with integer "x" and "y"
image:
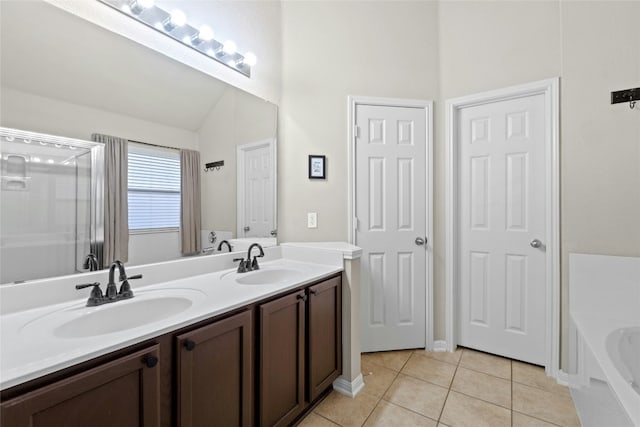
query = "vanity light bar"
{"x": 174, "y": 25}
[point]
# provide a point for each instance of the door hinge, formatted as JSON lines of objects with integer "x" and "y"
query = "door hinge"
{"x": 356, "y": 131}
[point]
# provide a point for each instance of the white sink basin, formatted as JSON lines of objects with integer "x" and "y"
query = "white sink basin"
{"x": 115, "y": 317}
{"x": 268, "y": 277}
{"x": 144, "y": 308}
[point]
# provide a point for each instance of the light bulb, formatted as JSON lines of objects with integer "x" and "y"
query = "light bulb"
{"x": 229, "y": 47}
{"x": 27, "y": 141}
{"x": 50, "y": 161}
{"x": 138, "y": 6}
{"x": 205, "y": 33}
{"x": 36, "y": 159}
{"x": 250, "y": 59}
{"x": 9, "y": 138}
{"x": 178, "y": 18}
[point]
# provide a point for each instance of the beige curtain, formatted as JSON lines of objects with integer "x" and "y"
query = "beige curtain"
{"x": 190, "y": 202}
{"x": 116, "y": 207}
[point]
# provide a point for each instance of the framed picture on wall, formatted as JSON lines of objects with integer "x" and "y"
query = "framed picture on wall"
{"x": 317, "y": 167}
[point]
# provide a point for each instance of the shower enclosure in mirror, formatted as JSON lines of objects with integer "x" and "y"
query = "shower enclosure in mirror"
{"x": 50, "y": 205}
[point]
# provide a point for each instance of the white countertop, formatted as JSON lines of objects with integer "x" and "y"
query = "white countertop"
{"x": 29, "y": 352}
{"x": 605, "y": 296}
{"x": 347, "y": 250}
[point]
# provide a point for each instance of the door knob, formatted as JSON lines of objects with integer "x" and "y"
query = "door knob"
{"x": 535, "y": 243}
{"x": 247, "y": 228}
{"x": 420, "y": 241}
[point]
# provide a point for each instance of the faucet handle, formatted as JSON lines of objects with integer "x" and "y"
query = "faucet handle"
{"x": 96, "y": 292}
{"x": 125, "y": 288}
{"x": 242, "y": 267}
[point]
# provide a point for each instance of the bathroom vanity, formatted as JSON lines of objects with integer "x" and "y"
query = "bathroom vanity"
{"x": 256, "y": 348}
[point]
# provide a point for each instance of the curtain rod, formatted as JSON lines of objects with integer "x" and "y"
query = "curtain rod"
{"x": 153, "y": 145}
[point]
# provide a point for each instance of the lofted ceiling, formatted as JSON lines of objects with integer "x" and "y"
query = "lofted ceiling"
{"x": 49, "y": 52}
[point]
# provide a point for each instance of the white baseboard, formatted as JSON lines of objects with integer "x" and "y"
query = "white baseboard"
{"x": 562, "y": 378}
{"x": 349, "y": 388}
{"x": 440, "y": 346}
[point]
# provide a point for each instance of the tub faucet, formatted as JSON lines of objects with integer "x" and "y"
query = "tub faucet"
{"x": 225, "y": 242}
{"x": 253, "y": 265}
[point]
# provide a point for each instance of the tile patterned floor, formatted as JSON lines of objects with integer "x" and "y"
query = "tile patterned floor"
{"x": 465, "y": 388}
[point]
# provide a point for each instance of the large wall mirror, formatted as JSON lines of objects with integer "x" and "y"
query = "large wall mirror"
{"x": 68, "y": 78}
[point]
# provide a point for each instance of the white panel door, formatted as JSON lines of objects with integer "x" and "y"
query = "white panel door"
{"x": 502, "y": 219}
{"x": 258, "y": 191}
{"x": 391, "y": 214}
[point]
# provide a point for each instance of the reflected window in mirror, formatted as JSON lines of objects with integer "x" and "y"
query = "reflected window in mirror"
{"x": 153, "y": 188}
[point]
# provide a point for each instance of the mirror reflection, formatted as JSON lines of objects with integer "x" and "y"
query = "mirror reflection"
{"x": 82, "y": 80}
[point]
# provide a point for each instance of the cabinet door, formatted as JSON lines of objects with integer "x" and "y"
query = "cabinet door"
{"x": 124, "y": 392}
{"x": 324, "y": 335}
{"x": 282, "y": 332}
{"x": 214, "y": 377}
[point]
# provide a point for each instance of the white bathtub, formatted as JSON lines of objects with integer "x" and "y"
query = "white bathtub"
{"x": 623, "y": 346}
{"x": 605, "y": 311}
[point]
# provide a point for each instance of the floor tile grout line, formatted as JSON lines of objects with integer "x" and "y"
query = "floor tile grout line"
{"x": 486, "y": 373}
{"x": 409, "y": 409}
{"x": 397, "y": 373}
{"x": 322, "y": 416}
{"x": 449, "y": 389}
{"x": 538, "y": 418}
{"x": 481, "y": 400}
{"x": 426, "y": 381}
{"x": 542, "y": 389}
{"x": 379, "y": 399}
{"x": 511, "y": 396}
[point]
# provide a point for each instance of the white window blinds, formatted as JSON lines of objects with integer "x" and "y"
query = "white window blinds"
{"x": 154, "y": 188}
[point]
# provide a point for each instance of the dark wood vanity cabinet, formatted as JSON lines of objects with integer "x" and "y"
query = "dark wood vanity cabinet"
{"x": 214, "y": 373}
{"x": 282, "y": 359}
{"x": 324, "y": 335}
{"x": 263, "y": 364}
{"x": 123, "y": 392}
{"x": 300, "y": 350}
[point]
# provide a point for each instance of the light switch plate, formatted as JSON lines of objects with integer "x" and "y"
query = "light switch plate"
{"x": 312, "y": 220}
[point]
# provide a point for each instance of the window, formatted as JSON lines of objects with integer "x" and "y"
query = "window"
{"x": 154, "y": 188}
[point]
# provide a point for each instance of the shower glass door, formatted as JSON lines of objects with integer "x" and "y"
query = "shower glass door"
{"x": 50, "y": 212}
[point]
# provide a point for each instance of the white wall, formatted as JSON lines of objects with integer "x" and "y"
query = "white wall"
{"x": 331, "y": 50}
{"x": 253, "y": 25}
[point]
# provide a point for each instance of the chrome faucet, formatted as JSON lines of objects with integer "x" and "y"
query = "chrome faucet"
{"x": 253, "y": 265}
{"x": 90, "y": 262}
{"x": 225, "y": 242}
{"x": 111, "y": 294}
